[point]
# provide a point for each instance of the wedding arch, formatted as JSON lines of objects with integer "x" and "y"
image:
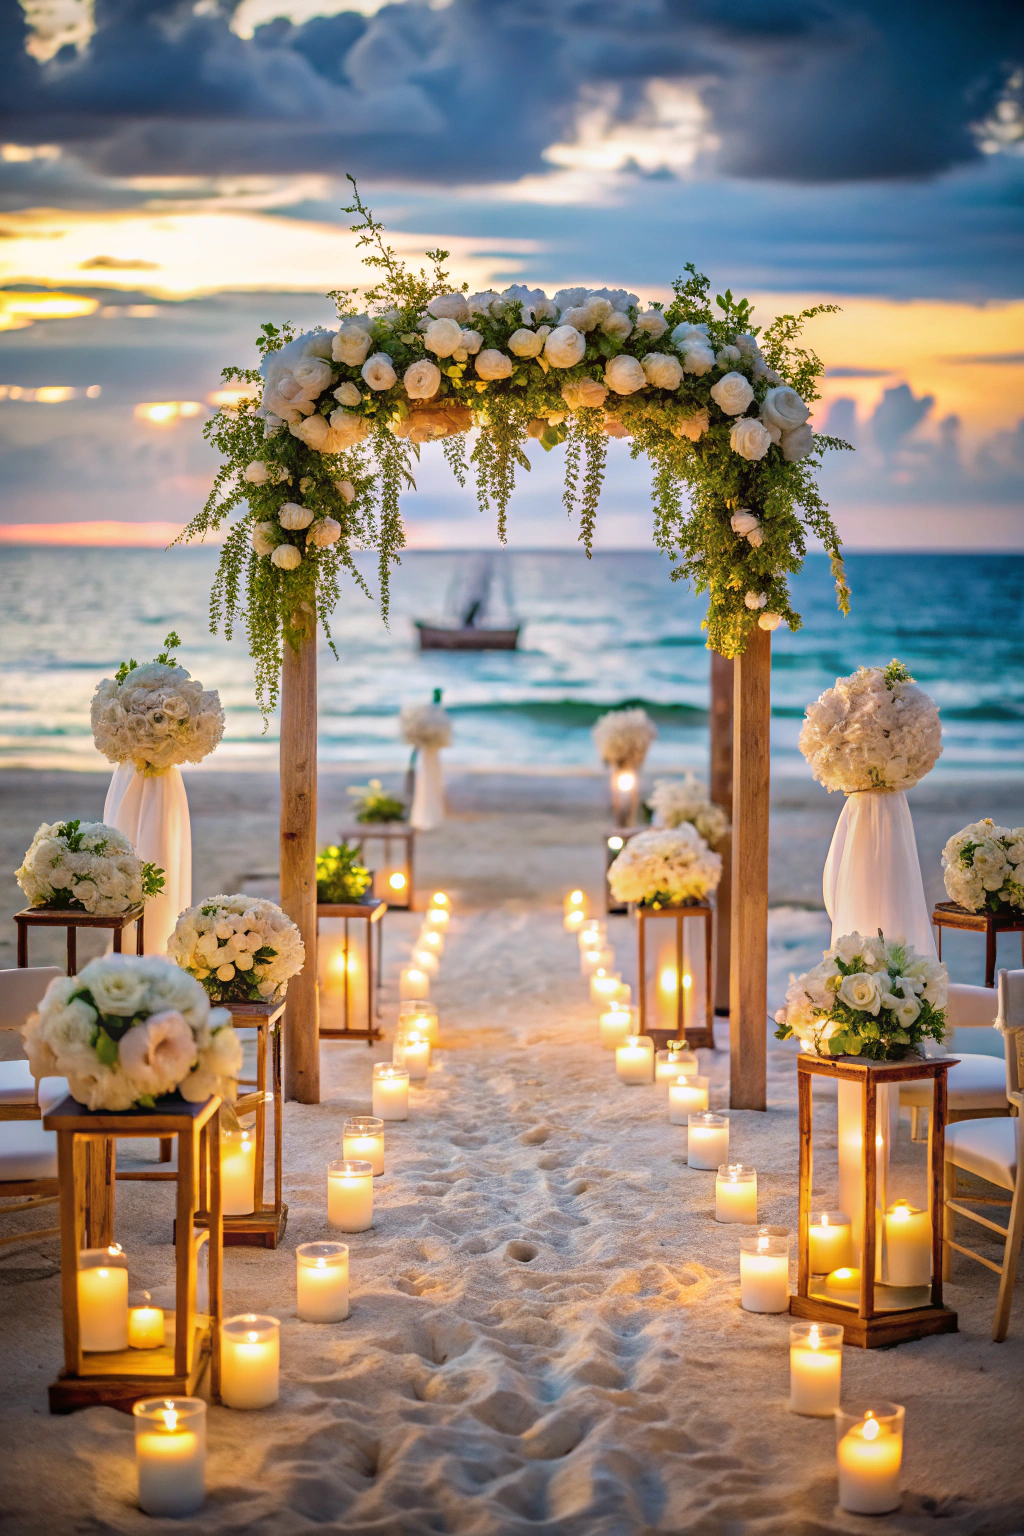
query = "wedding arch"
{"x": 315, "y": 460}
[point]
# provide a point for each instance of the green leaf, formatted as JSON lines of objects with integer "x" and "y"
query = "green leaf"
{"x": 106, "y": 1049}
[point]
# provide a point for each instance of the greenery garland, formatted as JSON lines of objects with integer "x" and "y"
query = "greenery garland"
{"x": 319, "y": 455}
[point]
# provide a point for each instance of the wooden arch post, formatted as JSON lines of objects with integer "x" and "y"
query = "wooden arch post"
{"x": 748, "y": 973}
{"x": 720, "y": 788}
{"x": 298, "y": 857}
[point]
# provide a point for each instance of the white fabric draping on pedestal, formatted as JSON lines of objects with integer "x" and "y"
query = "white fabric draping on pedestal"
{"x": 428, "y": 810}
{"x": 873, "y": 875}
{"x": 152, "y": 810}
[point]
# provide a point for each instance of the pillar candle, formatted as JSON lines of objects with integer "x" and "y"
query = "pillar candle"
{"x": 764, "y": 1270}
{"x": 145, "y": 1326}
{"x": 238, "y": 1172}
{"x": 362, "y": 1138}
{"x": 604, "y": 988}
{"x": 671, "y": 1065}
{"x": 250, "y": 1361}
{"x": 634, "y": 1060}
{"x": 815, "y": 1368}
{"x": 600, "y": 957}
{"x": 440, "y": 899}
{"x": 576, "y": 901}
{"x": 413, "y": 982}
{"x": 170, "y": 1454}
{"x": 437, "y": 917}
{"x": 615, "y": 1025}
{"x": 843, "y": 1284}
{"x": 413, "y": 1052}
{"x": 707, "y": 1140}
{"x": 432, "y": 939}
{"x": 425, "y": 958}
{"x": 869, "y": 1452}
{"x": 390, "y": 1091}
{"x": 350, "y": 1195}
{"x": 573, "y": 921}
{"x": 592, "y": 935}
{"x": 321, "y": 1282}
{"x": 908, "y": 1238}
{"x": 686, "y": 1096}
{"x": 736, "y": 1194}
{"x": 419, "y": 1018}
{"x": 102, "y": 1299}
{"x": 830, "y": 1242}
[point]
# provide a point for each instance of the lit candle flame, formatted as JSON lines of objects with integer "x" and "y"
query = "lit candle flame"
{"x": 170, "y": 1416}
{"x": 397, "y": 882}
{"x": 871, "y": 1426}
{"x": 253, "y": 1338}
{"x": 814, "y": 1337}
{"x": 321, "y": 1263}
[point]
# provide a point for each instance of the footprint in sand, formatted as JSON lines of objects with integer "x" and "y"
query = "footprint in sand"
{"x": 536, "y": 1136}
{"x": 520, "y": 1251}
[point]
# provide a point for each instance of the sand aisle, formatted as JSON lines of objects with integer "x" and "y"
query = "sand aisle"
{"x": 545, "y": 1334}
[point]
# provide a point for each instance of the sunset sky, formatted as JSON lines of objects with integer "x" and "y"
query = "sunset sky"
{"x": 173, "y": 175}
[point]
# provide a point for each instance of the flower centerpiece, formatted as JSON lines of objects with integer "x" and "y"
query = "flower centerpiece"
{"x": 983, "y": 867}
{"x": 623, "y": 737}
{"x": 340, "y": 878}
{"x": 128, "y": 1030}
{"x": 873, "y": 730}
{"x": 426, "y": 725}
{"x": 668, "y": 867}
{"x": 866, "y": 998}
{"x": 373, "y": 804}
{"x": 674, "y": 802}
{"x": 155, "y": 716}
{"x": 85, "y": 866}
{"x": 242, "y": 948}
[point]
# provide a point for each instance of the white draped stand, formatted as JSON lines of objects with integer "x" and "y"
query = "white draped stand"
{"x": 428, "y": 810}
{"x": 152, "y": 810}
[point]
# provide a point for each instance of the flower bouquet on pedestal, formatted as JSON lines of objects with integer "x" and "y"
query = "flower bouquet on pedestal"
{"x": 983, "y": 868}
{"x": 241, "y": 948}
{"x": 86, "y": 866}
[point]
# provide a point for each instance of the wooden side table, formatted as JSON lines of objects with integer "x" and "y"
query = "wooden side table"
{"x": 119, "y": 1378}
{"x": 58, "y": 917}
{"x": 948, "y": 915}
{"x": 365, "y": 915}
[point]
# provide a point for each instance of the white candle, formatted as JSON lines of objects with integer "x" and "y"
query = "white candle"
{"x": 362, "y": 1139}
{"x": 830, "y": 1242}
{"x": 604, "y": 987}
{"x": 432, "y": 939}
{"x": 671, "y": 1065}
{"x": 686, "y": 1096}
{"x": 412, "y": 1051}
{"x": 764, "y": 1270}
{"x": 419, "y": 1018}
{"x": 615, "y": 1025}
{"x": 350, "y": 1195}
{"x": 815, "y": 1368}
{"x": 736, "y": 1194}
{"x": 592, "y": 935}
{"x": 250, "y": 1361}
{"x": 437, "y": 917}
{"x": 707, "y": 1140}
{"x": 102, "y": 1299}
{"x": 573, "y": 921}
{"x": 321, "y": 1282}
{"x": 634, "y": 1060}
{"x": 238, "y": 1172}
{"x": 170, "y": 1454}
{"x": 425, "y": 959}
{"x": 908, "y": 1240}
{"x": 869, "y": 1452}
{"x": 601, "y": 957}
{"x": 440, "y": 899}
{"x": 574, "y": 902}
{"x": 390, "y": 1091}
{"x": 145, "y": 1326}
{"x": 413, "y": 982}
{"x": 843, "y": 1284}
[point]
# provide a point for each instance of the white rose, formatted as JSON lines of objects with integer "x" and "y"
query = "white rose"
{"x": 314, "y": 432}
{"x": 492, "y": 364}
{"x": 313, "y": 375}
{"x": 225, "y": 973}
{"x": 449, "y": 306}
{"x": 663, "y": 371}
{"x": 693, "y": 426}
{"x": 698, "y": 360}
{"x": 651, "y": 323}
{"x": 756, "y": 600}
{"x": 422, "y": 380}
{"x": 262, "y": 538}
{"x": 624, "y": 375}
{"x": 442, "y": 337}
{"x": 346, "y": 490}
{"x": 524, "y": 343}
{"x": 686, "y": 335}
{"x": 769, "y": 621}
{"x": 292, "y": 517}
{"x": 286, "y": 557}
{"x": 862, "y": 990}
{"x": 347, "y": 429}
{"x": 326, "y": 531}
{"x": 849, "y": 948}
{"x": 783, "y": 408}
{"x": 798, "y": 443}
{"x": 351, "y": 345}
{"x": 565, "y": 347}
{"x": 728, "y": 357}
{"x": 581, "y": 394}
{"x": 747, "y": 526}
{"x": 732, "y": 394}
{"x": 256, "y": 472}
{"x": 378, "y": 371}
{"x": 117, "y": 985}
{"x": 471, "y": 343}
{"x": 749, "y": 438}
{"x": 347, "y": 394}
{"x": 617, "y": 324}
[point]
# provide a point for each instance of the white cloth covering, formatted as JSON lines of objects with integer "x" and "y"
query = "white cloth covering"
{"x": 152, "y": 810}
{"x": 872, "y": 874}
{"x": 428, "y": 809}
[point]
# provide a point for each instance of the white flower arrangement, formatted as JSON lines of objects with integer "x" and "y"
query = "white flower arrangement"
{"x": 128, "y": 1030}
{"x": 241, "y": 948}
{"x": 155, "y": 715}
{"x": 875, "y": 729}
{"x": 86, "y": 867}
{"x": 866, "y": 998}
{"x": 623, "y": 737}
{"x": 668, "y": 867}
{"x": 983, "y": 867}
{"x": 426, "y": 725}
{"x": 675, "y": 801}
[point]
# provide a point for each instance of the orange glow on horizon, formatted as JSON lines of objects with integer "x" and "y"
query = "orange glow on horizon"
{"x": 109, "y": 534}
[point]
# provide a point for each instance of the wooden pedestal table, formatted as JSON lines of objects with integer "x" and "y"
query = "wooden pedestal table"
{"x": 264, "y": 1228}
{"x": 948, "y": 914}
{"x": 677, "y": 1001}
{"x": 394, "y": 844}
{"x": 54, "y": 917}
{"x": 361, "y": 921}
{"x": 117, "y": 1379}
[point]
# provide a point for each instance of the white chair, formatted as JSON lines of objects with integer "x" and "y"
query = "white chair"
{"x": 976, "y": 1086}
{"x": 990, "y": 1150}
{"x": 28, "y": 1154}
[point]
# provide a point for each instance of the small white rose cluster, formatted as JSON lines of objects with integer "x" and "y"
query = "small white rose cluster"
{"x": 129, "y": 1029}
{"x": 983, "y": 867}
{"x": 425, "y": 725}
{"x": 623, "y": 737}
{"x": 293, "y": 517}
{"x": 871, "y": 731}
{"x": 86, "y": 867}
{"x": 677, "y": 801}
{"x": 241, "y": 948}
{"x": 155, "y": 716}
{"x": 671, "y": 867}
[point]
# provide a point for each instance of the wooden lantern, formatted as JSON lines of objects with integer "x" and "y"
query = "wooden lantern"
{"x": 56, "y": 917}
{"x": 675, "y": 977}
{"x": 870, "y": 1296}
{"x": 387, "y": 848}
{"x": 349, "y": 971}
{"x": 85, "y": 1141}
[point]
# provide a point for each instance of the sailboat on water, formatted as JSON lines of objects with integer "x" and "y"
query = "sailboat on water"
{"x": 483, "y": 618}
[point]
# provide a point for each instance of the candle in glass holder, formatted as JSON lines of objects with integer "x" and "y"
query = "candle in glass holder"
{"x": 634, "y": 1060}
{"x": 615, "y": 1024}
{"x": 869, "y": 1453}
{"x": 321, "y": 1282}
{"x": 687, "y": 1096}
{"x": 843, "y": 1284}
{"x": 671, "y": 1065}
{"x": 412, "y": 1051}
{"x": 440, "y": 899}
{"x": 572, "y": 922}
{"x": 736, "y": 1194}
{"x": 764, "y": 1270}
{"x": 830, "y": 1242}
{"x": 145, "y": 1325}
{"x": 575, "y": 902}
{"x": 419, "y": 1018}
{"x": 390, "y": 1091}
{"x": 592, "y": 935}
{"x": 425, "y": 958}
{"x": 103, "y": 1299}
{"x": 238, "y": 1171}
{"x": 250, "y": 1361}
{"x": 170, "y": 1454}
{"x": 362, "y": 1137}
{"x": 623, "y": 996}
{"x": 432, "y": 939}
{"x": 350, "y": 1195}
{"x": 413, "y": 983}
{"x": 908, "y": 1242}
{"x": 815, "y": 1368}
{"x": 437, "y": 917}
{"x": 604, "y": 986}
{"x": 601, "y": 957}
{"x": 707, "y": 1140}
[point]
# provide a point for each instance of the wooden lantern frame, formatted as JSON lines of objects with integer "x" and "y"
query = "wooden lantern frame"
{"x": 697, "y": 1035}
{"x": 867, "y": 1325}
{"x": 120, "y": 1378}
{"x": 371, "y": 913}
{"x": 388, "y": 833}
{"x": 62, "y": 917}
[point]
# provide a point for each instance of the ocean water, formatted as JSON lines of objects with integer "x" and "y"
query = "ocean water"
{"x": 596, "y": 634}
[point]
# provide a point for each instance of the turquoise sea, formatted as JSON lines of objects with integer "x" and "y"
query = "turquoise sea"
{"x": 596, "y": 634}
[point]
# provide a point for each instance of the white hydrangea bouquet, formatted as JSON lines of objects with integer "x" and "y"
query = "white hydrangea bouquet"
{"x": 85, "y": 866}
{"x": 155, "y": 715}
{"x": 676, "y": 801}
{"x": 426, "y": 725}
{"x": 866, "y": 998}
{"x": 875, "y": 729}
{"x": 669, "y": 867}
{"x": 623, "y": 737}
{"x": 983, "y": 867}
{"x": 130, "y": 1029}
{"x": 241, "y": 948}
